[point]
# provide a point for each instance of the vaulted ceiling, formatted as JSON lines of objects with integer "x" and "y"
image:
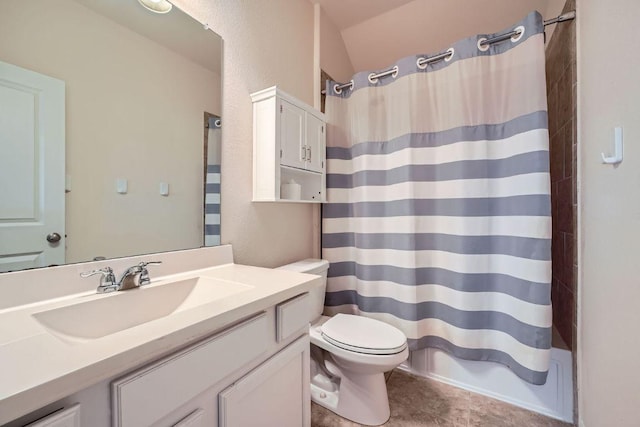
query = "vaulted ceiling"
{"x": 378, "y": 32}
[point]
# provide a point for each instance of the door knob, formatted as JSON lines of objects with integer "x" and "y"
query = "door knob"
{"x": 53, "y": 238}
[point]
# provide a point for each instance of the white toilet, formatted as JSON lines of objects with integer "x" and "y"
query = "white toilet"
{"x": 349, "y": 356}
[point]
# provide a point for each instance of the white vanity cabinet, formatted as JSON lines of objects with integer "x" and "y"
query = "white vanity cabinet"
{"x": 255, "y": 372}
{"x": 278, "y": 390}
{"x": 227, "y": 380}
{"x": 289, "y": 144}
{"x": 152, "y": 393}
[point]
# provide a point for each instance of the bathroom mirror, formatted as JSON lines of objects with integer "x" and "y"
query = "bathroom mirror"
{"x": 131, "y": 174}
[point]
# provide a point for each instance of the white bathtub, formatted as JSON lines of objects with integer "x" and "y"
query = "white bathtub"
{"x": 554, "y": 399}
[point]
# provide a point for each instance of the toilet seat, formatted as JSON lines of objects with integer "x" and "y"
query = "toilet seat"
{"x": 363, "y": 335}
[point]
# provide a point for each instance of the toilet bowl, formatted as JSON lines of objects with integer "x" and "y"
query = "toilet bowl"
{"x": 349, "y": 356}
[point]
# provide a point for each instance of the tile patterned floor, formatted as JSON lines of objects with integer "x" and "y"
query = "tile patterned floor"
{"x": 421, "y": 402}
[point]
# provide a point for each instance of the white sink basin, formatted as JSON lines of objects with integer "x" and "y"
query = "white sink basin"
{"x": 115, "y": 312}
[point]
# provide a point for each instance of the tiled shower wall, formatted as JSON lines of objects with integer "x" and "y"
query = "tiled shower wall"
{"x": 561, "y": 94}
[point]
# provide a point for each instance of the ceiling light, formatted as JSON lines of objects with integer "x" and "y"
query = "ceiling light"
{"x": 156, "y": 6}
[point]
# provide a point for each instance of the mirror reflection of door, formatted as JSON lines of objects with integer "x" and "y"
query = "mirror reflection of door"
{"x": 32, "y": 143}
{"x": 212, "y": 148}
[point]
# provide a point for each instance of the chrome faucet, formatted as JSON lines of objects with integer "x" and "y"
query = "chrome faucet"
{"x": 127, "y": 281}
{"x": 108, "y": 281}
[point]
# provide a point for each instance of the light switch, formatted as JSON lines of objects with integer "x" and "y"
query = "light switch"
{"x": 121, "y": 186}
{"x": 164, "y": 189}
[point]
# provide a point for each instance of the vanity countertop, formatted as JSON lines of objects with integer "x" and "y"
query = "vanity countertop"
{"x": 38, "y": 367}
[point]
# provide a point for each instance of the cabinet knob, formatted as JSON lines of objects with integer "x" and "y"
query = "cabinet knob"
{"x": 304, "y": 153}
{"x": 308, "y": 153}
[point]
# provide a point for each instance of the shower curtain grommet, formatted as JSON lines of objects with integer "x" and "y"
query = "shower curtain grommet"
{"x": 338, "y": 88}
{"x": 483, "y": 47}
{"x": 517, "y": 37}
{"x": 375, "y": 78}
{"x": 451, "y": 51}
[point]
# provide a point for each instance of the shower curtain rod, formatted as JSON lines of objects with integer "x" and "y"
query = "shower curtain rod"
{"x": 423, "y": 62}
{"x": 562, "y": 18}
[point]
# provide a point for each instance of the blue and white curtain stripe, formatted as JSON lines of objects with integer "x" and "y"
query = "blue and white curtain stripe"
{"x": 212, "y": 206}
{"x": 438, "y": 215}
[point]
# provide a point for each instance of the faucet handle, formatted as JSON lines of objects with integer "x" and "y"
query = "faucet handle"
{"x": 144, "y": 273}
{"x": 107, "y": 281}
{"x": 106, "y": 271}
{"x": 143, "y": 264}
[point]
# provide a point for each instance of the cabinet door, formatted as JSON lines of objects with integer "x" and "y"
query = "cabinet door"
{"x": 315, "y": 143}
{"x": 276, "y": 393}
{"x": 293, "y": 151}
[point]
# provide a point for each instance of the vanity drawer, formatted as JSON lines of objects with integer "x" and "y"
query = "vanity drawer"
{"x": 151, "y": 393}
{"x": 292, "y": 315}
{"x": 69, "y": 417}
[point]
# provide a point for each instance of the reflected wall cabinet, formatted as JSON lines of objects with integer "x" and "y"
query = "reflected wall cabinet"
{"x": 289, "y": 143}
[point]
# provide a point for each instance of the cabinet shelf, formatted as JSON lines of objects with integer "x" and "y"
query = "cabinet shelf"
{"x": 288, "y": 147}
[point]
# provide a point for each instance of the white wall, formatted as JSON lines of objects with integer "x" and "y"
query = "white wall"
{"x": 122, "y": 121}
{"x": 609, "y": 222}
{"x": 333, "y": 54}
{"x": 430, "y": 26}
{"x": 266, "y": 43}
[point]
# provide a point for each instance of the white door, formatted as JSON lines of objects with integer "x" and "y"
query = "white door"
{"x": 294, "y": 153}
{"x": 32, "y": 137}
{"x": 315, "y": 143}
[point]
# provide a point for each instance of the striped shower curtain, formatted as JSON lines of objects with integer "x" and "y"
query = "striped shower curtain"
{"x": 438, "y": 215}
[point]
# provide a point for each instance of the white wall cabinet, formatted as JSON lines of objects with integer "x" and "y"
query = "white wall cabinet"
{"x": 316, "y": 144}
{"x": 289, "y": 143}
{"x": 293, "y": 148}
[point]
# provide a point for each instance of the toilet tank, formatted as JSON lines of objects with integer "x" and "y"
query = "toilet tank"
{"x": 313, "y": 266}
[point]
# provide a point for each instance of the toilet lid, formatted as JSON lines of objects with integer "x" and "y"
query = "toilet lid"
{"x": 363, "y": 335}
